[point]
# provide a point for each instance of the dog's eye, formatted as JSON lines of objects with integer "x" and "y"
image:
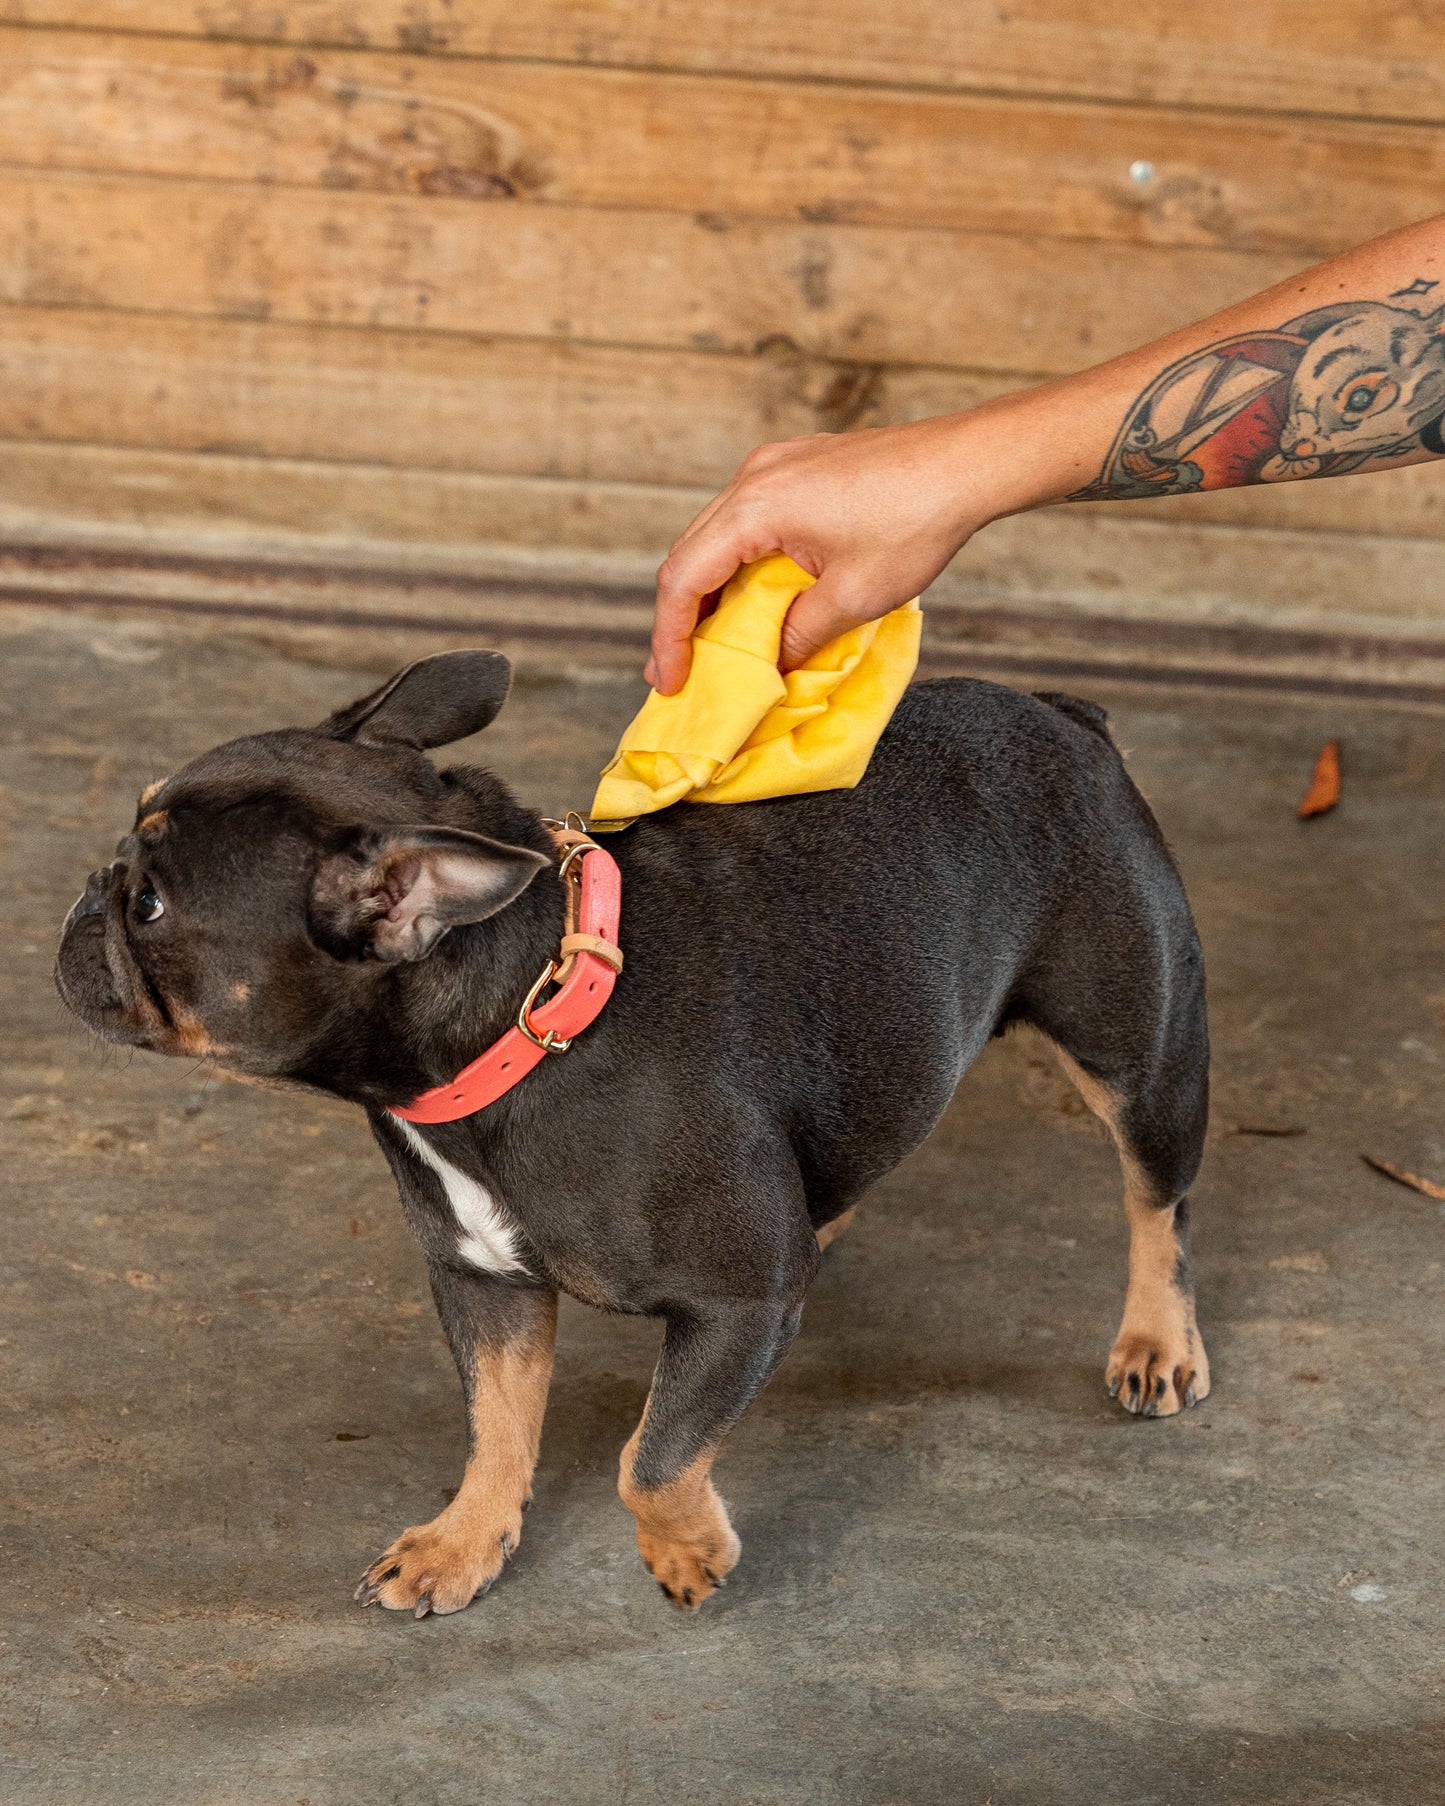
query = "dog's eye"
{"x": 148, "y": 906}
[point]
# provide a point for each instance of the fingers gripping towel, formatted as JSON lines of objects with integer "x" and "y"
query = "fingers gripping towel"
{"x": 739, "y": 730}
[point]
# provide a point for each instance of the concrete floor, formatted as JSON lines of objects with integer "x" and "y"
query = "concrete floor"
{"x": 967, "y": 1576}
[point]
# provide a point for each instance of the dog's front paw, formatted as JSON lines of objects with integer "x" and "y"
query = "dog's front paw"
{"x": 1158, "y": 1375}
{"x": 439, "y": 1567}
{"x": 687, "y": 1570}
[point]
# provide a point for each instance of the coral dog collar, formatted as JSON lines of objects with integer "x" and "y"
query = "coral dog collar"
{"x": 585, "y": 971}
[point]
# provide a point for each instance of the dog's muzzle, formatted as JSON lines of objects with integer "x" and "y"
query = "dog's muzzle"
{"x": 82, "y": 972}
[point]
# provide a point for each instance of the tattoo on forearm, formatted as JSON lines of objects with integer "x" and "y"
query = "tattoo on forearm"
{"x": 1359, "y": 385}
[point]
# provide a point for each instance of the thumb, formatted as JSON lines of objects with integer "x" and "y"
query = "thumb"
{"x": 832, "y": 606}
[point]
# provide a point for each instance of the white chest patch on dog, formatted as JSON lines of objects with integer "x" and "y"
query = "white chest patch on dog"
{"x": 486, "y": 1239}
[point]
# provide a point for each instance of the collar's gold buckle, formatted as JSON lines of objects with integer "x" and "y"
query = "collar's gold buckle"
{"x": 548, "y": 1042}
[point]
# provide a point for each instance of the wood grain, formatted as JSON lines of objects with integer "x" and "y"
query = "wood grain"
{"x": 495, "y": 132}
{"x": 356, "y": 293}
{"x": 1403, "y": 503}
{"x": 1129, "y": 567}
{"x": 867, "y": 294}
{"x": 137, "y": 523}
{"x": 428, "y": 399}
{"x": 531, "y": 408}
{"x": 437, "y": 520}
{"x": 1384, "y": 58}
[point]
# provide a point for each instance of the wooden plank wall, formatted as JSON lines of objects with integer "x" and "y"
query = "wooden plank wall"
{"x": 453, "y": 280}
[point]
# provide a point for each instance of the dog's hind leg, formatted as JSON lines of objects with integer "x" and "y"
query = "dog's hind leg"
{"x": 502, "y": 1337}
{"x": 1157, "y": 1365}
{"x": 1122, "y": 999}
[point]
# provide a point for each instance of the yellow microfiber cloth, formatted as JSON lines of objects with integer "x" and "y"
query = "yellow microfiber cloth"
{"x": 738, "y": 730}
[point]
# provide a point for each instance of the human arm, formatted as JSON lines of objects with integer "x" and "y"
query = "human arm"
{"x": 1338, "y": 369}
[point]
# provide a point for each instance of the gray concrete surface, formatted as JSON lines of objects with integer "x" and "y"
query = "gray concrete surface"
{"x": 967, "y": 1577}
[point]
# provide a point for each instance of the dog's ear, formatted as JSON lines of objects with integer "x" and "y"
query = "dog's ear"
{"x": 431, "y": 703}
{"x": 391, "y": 893}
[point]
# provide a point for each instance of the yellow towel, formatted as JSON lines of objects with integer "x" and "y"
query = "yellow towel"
{"x": 739, "y": 731}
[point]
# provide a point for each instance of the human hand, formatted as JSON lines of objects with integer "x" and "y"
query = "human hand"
{"x": 873, "y": 515}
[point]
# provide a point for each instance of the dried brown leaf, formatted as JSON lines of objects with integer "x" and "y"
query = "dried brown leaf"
{"x": 1324, "y": 790}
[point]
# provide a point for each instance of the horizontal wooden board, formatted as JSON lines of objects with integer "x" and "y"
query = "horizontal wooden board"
{"x": 479, "y": 522}
{"x": 1379, "y": 57}
{"x": 869, "y": 294}
{"x": 242, "y": 531}
{"x": 489, "y": 133}
{"x": 1409, "y": 502}
{"x": 311, "y": 515}
{"x": 521, "y": 408}
{"x": 427, "y": 399}
{"x": 1131, "y": 567}
{"x": 221, "y": 505}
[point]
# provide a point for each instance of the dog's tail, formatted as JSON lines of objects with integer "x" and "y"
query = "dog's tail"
{"x": 1087, "y": 714}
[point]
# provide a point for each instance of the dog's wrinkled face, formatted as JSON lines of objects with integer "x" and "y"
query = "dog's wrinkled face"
{"x": 263, "y": 882}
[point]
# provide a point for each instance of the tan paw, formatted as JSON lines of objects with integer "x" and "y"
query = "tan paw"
{"x": 688, "y": 1571}
{"x": 439, "y": 1567}
{"x": 1157, "y": 1376}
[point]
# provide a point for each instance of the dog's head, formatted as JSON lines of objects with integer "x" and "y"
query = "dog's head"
{"x": 270, "y": 884}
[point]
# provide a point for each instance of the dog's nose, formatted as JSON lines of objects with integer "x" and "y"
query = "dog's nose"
{"x": 97, "y": 889}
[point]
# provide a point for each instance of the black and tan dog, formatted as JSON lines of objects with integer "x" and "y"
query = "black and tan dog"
{"x": 806, "y": 981}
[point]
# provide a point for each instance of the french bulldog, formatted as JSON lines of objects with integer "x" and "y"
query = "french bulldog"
{"x": 805, "y": 982}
